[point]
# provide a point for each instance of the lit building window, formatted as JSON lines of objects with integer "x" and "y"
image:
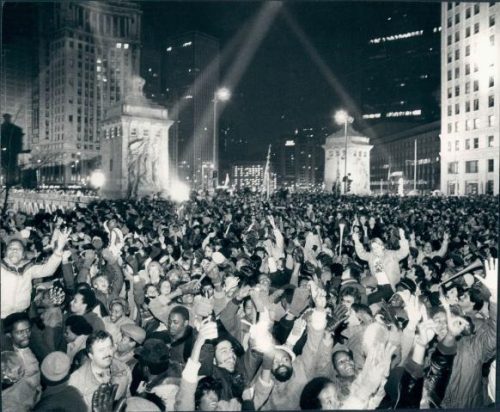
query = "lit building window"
{"x": 187, "y": 44}
{"x": 404, "y": 113}
{"x": 372, "y": 116}
{"x": 169, "y": 49}
{"x": 397, "y": 37}
{"x": 118, "y": 45}
{"x": 125, "y": 46}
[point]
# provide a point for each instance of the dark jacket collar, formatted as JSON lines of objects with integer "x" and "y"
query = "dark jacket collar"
{"x": 17, "y": 269}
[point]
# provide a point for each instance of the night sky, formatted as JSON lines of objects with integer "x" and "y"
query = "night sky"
{"x": 282, "y": 87}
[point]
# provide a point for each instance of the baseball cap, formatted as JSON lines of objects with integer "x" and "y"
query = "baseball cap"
{"x": 134, "y": 332}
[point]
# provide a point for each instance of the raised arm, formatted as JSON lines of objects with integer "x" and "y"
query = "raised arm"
{"x": 444, "y": 246}
{"x": 185, "y": 398}
{"x": 404, "y": 246}
{"x": 49, "y": 268}
{"x": 360, "y": 249}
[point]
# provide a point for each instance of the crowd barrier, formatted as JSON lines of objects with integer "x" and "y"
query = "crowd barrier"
{"x": 33, "y": 202}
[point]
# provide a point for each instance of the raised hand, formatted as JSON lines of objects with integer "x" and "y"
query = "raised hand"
{"x": 355, "y": 237}
{"x": 339, "y": 316}
{"x": 426, "y": 332}
{"x": 258, "y": 298}
{"x": 401, "y": 233}
{"x": 414, "y": 311}
{"x": 490, "y": 279}
{"x": 65, "y": 256}
{"x": 376, "y": 368}
{"x": 243, "y": 292}
{"x": 207, "y": 331}
{"x": 103, "y": 398}
{"x": 62, "y": 239}
{"x": 318, "y": 296}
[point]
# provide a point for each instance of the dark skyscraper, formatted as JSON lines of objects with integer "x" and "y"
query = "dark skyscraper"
{"x": 18, "y": 67}
{"x": 401, "y": 75}
{"x": 189, "y": 79}
{"x": 302, "y": 158}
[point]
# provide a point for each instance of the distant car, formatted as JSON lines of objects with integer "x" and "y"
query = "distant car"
{"x": 413, "y": 193}
{"x": 437, "y": 193}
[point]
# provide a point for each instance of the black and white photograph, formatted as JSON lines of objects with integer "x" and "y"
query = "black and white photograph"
{"x": 249, "y": 205}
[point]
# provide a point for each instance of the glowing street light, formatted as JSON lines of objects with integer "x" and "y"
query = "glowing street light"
{"x": 97, "y": 179}
{"x": 343, "y": 118}
{"x": 221, "y": 95}
{"x": 179, "y": 191}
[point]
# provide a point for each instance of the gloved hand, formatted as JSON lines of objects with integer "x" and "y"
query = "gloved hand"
{"x": 103, "y": 399}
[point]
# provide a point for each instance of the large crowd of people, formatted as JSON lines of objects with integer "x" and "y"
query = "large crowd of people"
{"x": 234, "y": 302}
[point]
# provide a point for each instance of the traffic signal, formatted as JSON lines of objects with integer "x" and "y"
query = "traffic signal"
{"x": 349, "y": 181}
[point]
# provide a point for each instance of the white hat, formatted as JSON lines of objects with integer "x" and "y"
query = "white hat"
{"x": 286, "y": 349}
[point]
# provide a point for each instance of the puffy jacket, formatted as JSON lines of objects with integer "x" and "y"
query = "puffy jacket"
{"x": 390, "y": 260}
{"x": 16, "y": 283}
{"x": 432, "y": 386}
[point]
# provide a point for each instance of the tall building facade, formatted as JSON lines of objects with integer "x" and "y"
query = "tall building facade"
{"x": 189, "y": 80}
{"x": 301, "y": 158}
{"x": 393, "y": 158}
{"x": 401, "y": 75}
{"x": 470, "y": 95}
{"x": 88, "y": 53}
{"x": 250, "y": 174}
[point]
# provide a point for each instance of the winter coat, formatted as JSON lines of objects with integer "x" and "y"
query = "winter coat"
{"x": 85, "y": 381}
{"x": 16, "y": 283}
{"x": 62, "y": 398}
{"x": 414, "y": 384}
{"x": 286, "y": 395}
{"x": 466, "y": 384}
{"x": 390, "y": 260}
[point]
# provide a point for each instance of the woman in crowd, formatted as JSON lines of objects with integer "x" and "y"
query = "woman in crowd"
{"x": 239, "y": 303}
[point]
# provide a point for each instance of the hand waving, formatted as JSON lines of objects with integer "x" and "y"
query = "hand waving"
{"x": 63, "y": 239}
{"x": 490, "y": 279}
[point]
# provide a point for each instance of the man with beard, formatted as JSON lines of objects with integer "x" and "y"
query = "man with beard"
{"x": 228, "y": 371}
{"x": 101, "y": 368}
{"x": 289, "y": 374}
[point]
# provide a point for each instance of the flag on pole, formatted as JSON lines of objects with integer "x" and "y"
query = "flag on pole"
{"x": 267, "y": 174}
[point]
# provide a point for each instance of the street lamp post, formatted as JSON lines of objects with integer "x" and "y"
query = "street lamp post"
{"x": 221, "y": 95}
{"x": 342, "y": 117}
